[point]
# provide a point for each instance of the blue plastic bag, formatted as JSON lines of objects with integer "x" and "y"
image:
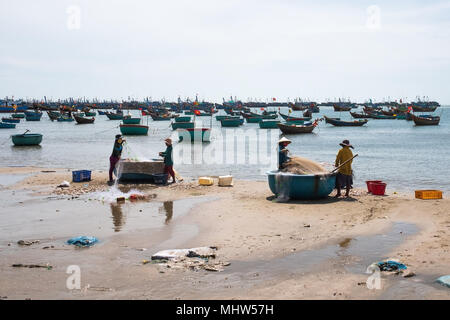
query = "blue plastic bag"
{"x": 83, "y": 241}
{"x": 391, "y": 265}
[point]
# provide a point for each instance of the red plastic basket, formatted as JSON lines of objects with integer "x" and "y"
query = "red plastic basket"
{"x": 369, "y": 184}
{"x": 378, "y": 189}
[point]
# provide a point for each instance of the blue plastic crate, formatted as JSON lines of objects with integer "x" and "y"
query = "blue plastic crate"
{"x": 81, "y": 175}
{"x": 160, "y": 178}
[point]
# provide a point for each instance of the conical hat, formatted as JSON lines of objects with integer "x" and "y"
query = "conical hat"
{"x": 284, "y": 139}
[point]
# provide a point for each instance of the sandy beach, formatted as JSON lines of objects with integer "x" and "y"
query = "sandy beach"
{"x": 265, "y": 249}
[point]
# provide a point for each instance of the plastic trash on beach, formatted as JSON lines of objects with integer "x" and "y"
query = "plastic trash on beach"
{"x": 391, "y": 265}
{"x": 64, "y": 184}
{"x": 205, "y": 181}
{"x": 444, "y": 280}
{"x": 226, "y": 181}
{"x": 200, "y": 252}
{"x": 83, "y": 241}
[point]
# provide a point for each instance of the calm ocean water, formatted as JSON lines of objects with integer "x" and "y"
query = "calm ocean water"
{"x": 405, "y": 156}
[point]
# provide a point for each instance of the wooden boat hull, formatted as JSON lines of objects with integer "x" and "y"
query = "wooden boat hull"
{"x": 294, "y": 129}
{"x": 289, "y": 118}
{"x": 196, "y": 134}
{"x": 231, "y": 122}
{"x": 424, "y": 109}
{"x": 133, "y": 129}
{"x": 301, "y": 187}
{"x": 428, "y": 121}
{"x": 341, "y": 108}
{"x": 341, "y": 123}
{"x": 30, "y": 139}
{"x": 269, "y": 124}
{"x": 131, "y": 120}
{"x": 10, "y": 120}
{"x": 4, "y": 125}
{"x": 360, "y": 115}
{"x": 82, "y": 120}
{"x": 183, "y": 125}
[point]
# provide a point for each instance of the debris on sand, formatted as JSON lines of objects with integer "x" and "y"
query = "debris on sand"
{"x": 20, "y": 265}
{"x": 27, "y": 243}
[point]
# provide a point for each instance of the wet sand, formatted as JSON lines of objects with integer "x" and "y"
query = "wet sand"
{"x": 293, "y": 250}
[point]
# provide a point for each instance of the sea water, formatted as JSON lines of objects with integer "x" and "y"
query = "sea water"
{"x": 405, "y": 156}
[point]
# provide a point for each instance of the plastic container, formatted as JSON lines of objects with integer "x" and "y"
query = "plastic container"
{"x": 378, "y": 188}
{"x": 428, "y": 194}
{"x": 160, "y": 178}
{"x": 81, "y": 175}
{"x": 225, "y": 181}
{"x": 205, "y": 181}
{"x": 369, "y": 184}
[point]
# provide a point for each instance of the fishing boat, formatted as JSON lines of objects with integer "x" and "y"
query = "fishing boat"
{"x": 53, "y": 115}
{"x": 342, "y": 123}
{"x": 83, "y": 120}
{"x": 301, "y": 187}
{"x": 90, "y": 113}
{"x": 182, "y": 125}
{"x": 269, "y": 124}
{"x": 33, "y": 116}
{"x": 4, "y": 125}
{"x": 424, "y": 108}
{"x": 10, "y": 120}
{"x": 101, "y": 113}
{"x": 341, "y": 108}
{"x": 360, "y": 115}
{"x": 183, "y": 119}
{"x": 382, "y": 116}
{"x": 157, "y": 117}
{"x": 194, "y": 134}
{"x": 328, "y": 118}
{"x": 114, "y": 116}
{"x": 64, "y": 118}
{"x": 295, "y": 128}
{"x": 253, "y": 119}
{"x": 426, "y": 120}
{"x": 130, "y": 120}
{"x": 8, "y": 109}
{"x": 27, "y": 139}
{"x": 134, "y": 129}
{"x": 231, "y": 122}
{"x": 18, "y": 115}
{"x": 289, "y": 118}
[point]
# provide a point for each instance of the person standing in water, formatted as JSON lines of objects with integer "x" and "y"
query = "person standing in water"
{"x": 168, "y": 160}
{"x": 344, "y": 178}
{"x": 115, "y": 156}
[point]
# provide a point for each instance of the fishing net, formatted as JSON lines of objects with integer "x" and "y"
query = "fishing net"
{"x": 299, "y": 165}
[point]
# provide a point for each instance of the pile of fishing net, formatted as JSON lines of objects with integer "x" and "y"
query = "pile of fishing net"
{"x": 299, "y": 165}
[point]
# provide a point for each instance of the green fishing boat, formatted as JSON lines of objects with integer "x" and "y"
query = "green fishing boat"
{"x": 183, "y": 125}
{"x": 131, "y": 120}
{"x": 30, "y": 139}
{"x": 183, "y": 119}
{"x": 220, "y": 118}
{"x": 253, "y": 119}
{"x": 133, "y": 129}
{"x": 90, "y": 114}
{"x": 194, "y": 134}
{"x": 269, "y": 124}
{"x": 18, "y": 115}
{"x": 230, "y": 122}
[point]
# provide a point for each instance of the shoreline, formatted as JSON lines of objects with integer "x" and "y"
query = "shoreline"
{"x": 250, "y": 230}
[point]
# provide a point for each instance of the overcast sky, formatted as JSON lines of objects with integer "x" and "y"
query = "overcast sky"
{"x": 254, "y": 49}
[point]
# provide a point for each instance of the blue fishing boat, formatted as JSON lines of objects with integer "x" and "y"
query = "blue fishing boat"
{"x": 11, "y": 120}
{"x": 65, "y": 119}
{"x": 301, "y": 187}
{"x": 341, "y": 123}
{"x": 33, "y": 116}
{"x": 4, "y": 125}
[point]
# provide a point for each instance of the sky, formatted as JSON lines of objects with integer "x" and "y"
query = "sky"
{"x": 253, "y": 49}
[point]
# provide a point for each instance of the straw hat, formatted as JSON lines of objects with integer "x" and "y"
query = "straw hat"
{"x": 284, "y": 139}
{"x": 346, "y": 143}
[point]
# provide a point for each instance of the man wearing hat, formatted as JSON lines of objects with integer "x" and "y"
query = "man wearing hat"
{"x": 344, "y": 177}
{"x": 168, "y": 161}
{"x": 282, "y": 152}
{"x": 115, "y": 156}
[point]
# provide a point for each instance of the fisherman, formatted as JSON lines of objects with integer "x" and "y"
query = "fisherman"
{"x": 168, "y": 161}
{"x": 344, "y": 177}
{"x": 115, "y": 156}
{"x": 282, "y": 152}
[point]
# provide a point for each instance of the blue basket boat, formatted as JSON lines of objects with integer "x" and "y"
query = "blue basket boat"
{"x": 301, "y": 187}
{"x": 30, "y": 139}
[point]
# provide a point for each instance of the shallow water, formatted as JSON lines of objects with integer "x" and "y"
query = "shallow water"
{"x": 395, "y": 151}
